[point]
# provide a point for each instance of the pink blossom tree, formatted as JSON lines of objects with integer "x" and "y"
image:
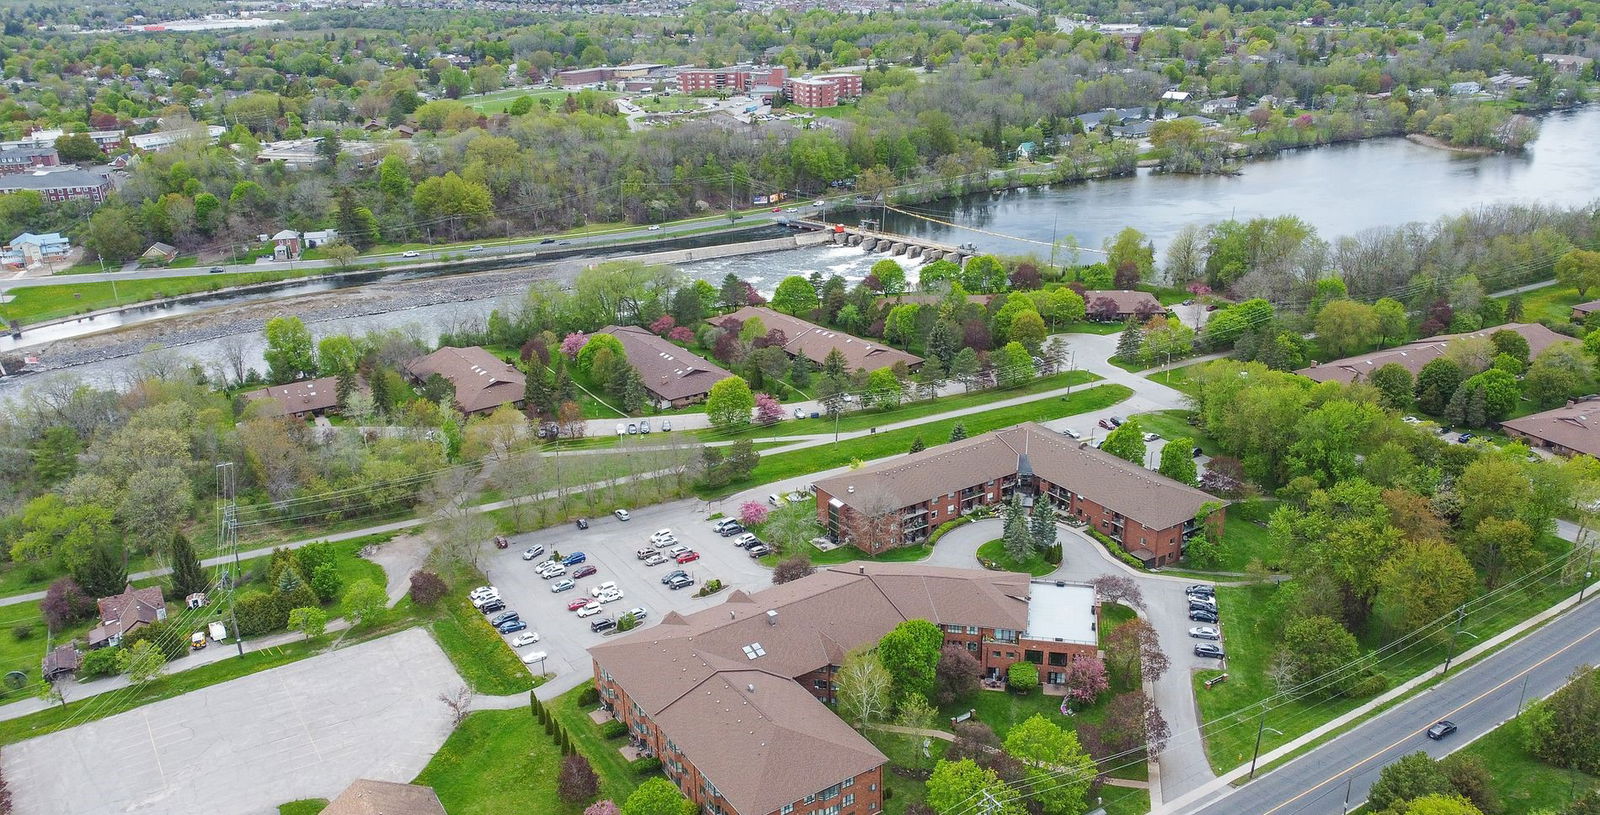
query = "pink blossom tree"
{"x": 768, "y": 409}
{"x": 573, "y": 343}
{"x": 681, "y": 334}
{"x": 662, "y": 325}
{"x": 602, "y": 808}
{"x": 752, "y": 512}
{"x": 1085, "y": 680}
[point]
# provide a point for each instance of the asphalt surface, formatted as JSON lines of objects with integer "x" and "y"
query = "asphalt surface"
{"x": 1477, "y": 699}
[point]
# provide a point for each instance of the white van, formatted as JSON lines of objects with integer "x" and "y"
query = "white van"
{"x": 773, "y": 500}
{"x": 609, "y": 585}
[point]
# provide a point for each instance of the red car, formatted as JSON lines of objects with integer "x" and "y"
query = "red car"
{"x": 574, "y": 605}
{"x": 687, "y": 557}
{"x": 584, "y": 571}
{"x": 777, "y": 209}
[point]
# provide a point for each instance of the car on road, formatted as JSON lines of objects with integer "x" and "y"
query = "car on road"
{"x": 1205, "y": 632}
{"x": 547, "y": 240}
{"x": 589, "y": 609}
{"x": 1200, "y": 590}
{"x": 584, "y": 571}
{"x": 682, "y": 581}
{"x": 411, "y": 254}
{"x": 655, "y": 227}
{"x": 215, "y": 270}
{"x": 1441, "y": 728}
{"x": 1105, "y": 424}
{"x": 777, "y": 209}
{"x": 667, "y": 578}
{"x": 532, "y": 552}
{"x": 534, "y": 656}
{"x": 759, "y": 549}
{"x": 1202, "y": 616}
{"x": 525, "y": 639}
{"x": 602, "y": 625}
{"x": 510, "y": 626}
{"x": 817, "y": 203}
{"x": 478, "y": 248}
{"x": 582, "y": 523}
{"x": 610, "y": 596}
{"x": 574, "y": 559}
{"x": 609, "y": 585}
{"x": 655, "y": 559}
{"x": 1209, "y": 649}
{"x": 1070, "y": 433}
{"x": 1149, "y": 437}
{"x": 564, "y": 584}
{"x": 555, "y": 571}
{"x": 687, "y": 557}
{"x": 504, "y": 617}
{"x": 622, "y": 515}
{"x": 1116, "y": 421}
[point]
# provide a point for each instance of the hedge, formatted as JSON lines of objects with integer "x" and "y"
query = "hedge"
{"x": 946, "y": 527}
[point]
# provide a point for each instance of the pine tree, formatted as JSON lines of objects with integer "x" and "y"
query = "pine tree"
{"x": 105, "y": 572}
{"x": 800, "y": 371}
{"x": 1017, "y": 539}
{"x": 1130, "y": 343}
{"x": 188, "y": 577}
{"x": 382, "y": 399}
{"x": 344, "y": 386}
{"x": 917, "y": 446}
{"x": 958, "y": 432}
{"x": 1043, "y": 524}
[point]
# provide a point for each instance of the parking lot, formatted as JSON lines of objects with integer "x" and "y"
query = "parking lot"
{"x": 609, "y": 545}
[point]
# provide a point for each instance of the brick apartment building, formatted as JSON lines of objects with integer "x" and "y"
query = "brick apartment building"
{"x": 1415, "y": 354}
{"x": 733, "y": 699}
{"x": 59, "y": 184}
{"x": 822, "y": 91}
{"x": 904, "y": 500}
{"x": 482, "y": 381}
{"x": 27, "y": 159}
{"x": 734, "y": 78}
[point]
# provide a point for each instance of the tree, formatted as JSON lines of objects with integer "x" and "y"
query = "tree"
{"x": 901, "y": 324}
{"x": 1117, "y": 588}
{"x": 1130, "y": 344}
{"x": 1126, "y": 442}
{"x": 954, "y": 785}
{"x": 1129, "y": 251}
{"x": 792, "y": 569}
{"x": 1421, "y": 582}
{"x": 1394, "y": 382}
{"x": 658, "y": 796}
{"x": 605, "y": 807}
{"x": 1059, "y": 772}
{"x": 310, "y": 621}
{"x": 964, "y": 367}
{"x": 1017, "y": 539}
{"x": 1133, "y": 651}
{"x": 752, "y": 513}
{"x": 1509, "y": 342}
{"x": 1501, "y": 549}
{"x": 1560, "y": 729}
{"x": 1560, "y": 372}
{"x": 65, "y": 603}
{"x": 1436, "y": 383}
{"x": 865, "y": 688}
{"x": 1042, "y": 525}
{"x": 577, "y": 780}
{"x": 955, "y": 676}
{"x": 1312, "y": 647}
{"x": 891, "y": 276}
{"x": 1470, "y": 777}
{"x": 1392, "y": 321}
{"x": 78, "y": 148}
{"x": 795, "y": 295}
{"x": 1013, "y": 365}
{"x": 142, "y": 662}
{"x": 1346, "y": 326}
{"x": 1022, "y": 676}
{"x": 1085, "y": 680}
{"x": 289, "y": 353}
{"x": 884, "y": 389}
{"x": 364, "y": 601}
{"x": 1413, "y": 776}
{"x": 729, "y": 404}
{"x": 1441, "y": 805}
{"x": 958, "y": 431}
{"x": 461, "y": 203}
{"x": 188, "y": 577}
{"x": 910, "y": 654}
{"x": 1579, "y": 268}
{"x": 1177, "y": 461}
{"x": 105, "y": 571}
{"x": 1132, "y": 721}
{"x": 917, "y": 446}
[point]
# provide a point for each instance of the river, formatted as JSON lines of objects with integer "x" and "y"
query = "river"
{"x": 1341, "y": 190}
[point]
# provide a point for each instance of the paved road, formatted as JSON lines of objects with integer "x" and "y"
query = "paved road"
{"x": 1477, "y": 699}
{"x": 305, "y": 730}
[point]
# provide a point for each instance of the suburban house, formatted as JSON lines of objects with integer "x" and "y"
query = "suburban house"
{"x": 1570, "y": 430}
{"x": 124, "y": 612}
{"x": 734, "y": 699}
{"x": 29, "y": 249}
{"x": 1581, "y": 311}
{"x": 367, "y": 797}
{"x": 59, "y": 184}
{"x": 25, "y": 159}
{"x": 1224, "y": 105}
{"x": 672, "y": 375}
{"x": 1567, "y": 63}
{"x": 62, "y": 660}
{"x": 289, "y": 244}
{"x": 311, "y": 397}
{"x": 1413, "y": 355}
{"x": 156, "y": 142}
{"x": 159, "y": 253}
{"x": 902, "y": 501}
{"x": 1121, "y": 305}
{"x": 814, "y": 342}
{"x": 482, "y": 380}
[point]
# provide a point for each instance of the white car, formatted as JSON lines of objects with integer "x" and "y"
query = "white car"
{"x": 1205, "y": 632}
{"x": 655, "y": 227}
{"x": 748, "y": 537}
{"x": 534, "y": 656}
{"x": 639, "y": 612}
{"x": 611, "y": 596}
{"x": 676, "y": 550}
{"x": 556, "y": 571}
{"x": 817, "y": 203}
{"x": 532, "y": 552}
{"x": 661, "y": 535}
{"x": 609, "y": 585}
{"x": 1411, "y": 420}
{"x": 545, "y": 567}
{"x": 482, "y": 591}
{"x": 529, "y": 638}
{"x": 476, "y": 249}
{"x": 1070, "y": 433}
{"x": 1151, "y": 436}
{"x": 484, "y": 599}
{"x": 411, "y": 254}
{"x": 622, "y": 515}
{"x": 589, "y": 610}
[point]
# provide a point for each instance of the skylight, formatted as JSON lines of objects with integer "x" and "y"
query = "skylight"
{"x": 754, "y": 650}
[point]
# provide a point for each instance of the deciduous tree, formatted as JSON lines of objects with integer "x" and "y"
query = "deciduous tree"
{"x": 658, "y": 796}
{"x": 910, "y": 653}
{"x": 955, "y": 676}
{"x": 1421, "y": 582}
{"x": 1058, "y": 770}
{"x": 310, "y": 621}
{"x": 865, "y": 688}
{"x": 1126, "y": 442}
{"x": 577, "y": 780}
{"x": 729, "y": 404}
{"x": 289, "y": 353}
{"x": 954, "y": 785}
{"x": 1177, "y": 461}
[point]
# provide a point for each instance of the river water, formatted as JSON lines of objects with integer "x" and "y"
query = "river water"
{"x": 1340, "y": 190}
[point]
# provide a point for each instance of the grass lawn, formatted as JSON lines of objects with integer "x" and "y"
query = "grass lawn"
{"x": 1172, "y": 424}
{"x": 306, "y": 806}
{"x": 1553, "y": 302}
{"x": 37, "y": 303}
{"x": 878, "y": 445}
{"x": 1245, "y": 537}
{"x": 1087, "y": 327}
{"x": 1525, "y": 783}
{"x": 498, "y": 761}
{"x": 902, "y": 779}
{"x": 479, "y": 652}
{"x": 995, "y": 551}
{"x": 1177, "y": 378}
{"x": 617, "y": 778}
{"x": 500, "y": 101}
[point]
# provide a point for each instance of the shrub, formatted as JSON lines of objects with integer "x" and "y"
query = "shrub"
{"x": 426, "y": 588}
{"x": 326, "y": 582}
{"x": 577, "y": 780}
{"x": 164, "y": 635}
{"x": 259, "y": 614}
{"x": 1369, "y": 685}
{"x": 22, "y": 632}
{"x": 100, "y": 662}
{"x": 946, "y": 527}
{"x": 613, "y": 729}
{"x": 590, "y": 695}
{"x": 646, "y": 766}
{"x": 1022, "y": 676}
{"x": 65, "y": 603}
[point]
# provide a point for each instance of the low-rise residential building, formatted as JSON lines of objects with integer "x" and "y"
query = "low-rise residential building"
{"x": 1570, "y": 430}
{"x": 26, "y": 159}
{"x": 1413, "y": 355}
{"x": 1120, "y": 304}
{"x": 672, "y": 375}
{"x": 156, "y": 142}
{"x": 822, "y": 90}
{"x": 1567, "y": 63}
{"x": 59, "y": 184}
{"x": 301, "y": 154}
{"x": 311, "y": 397}
{"x": 122, "y": 613}
{"x": 28, "y": 249}
{"x": 734, "y": 699}
{"x": 1224, "y": 105}
{"x": 63, "y": 660}
{"x": 814, "y": 342}
{"x": 733, "y": 79}
{"x": 482, "y": 380}
{"x": 902, "y": 501}
{"x": 367, "y": 797}
{"x": 1581, "y": 311}
{"x": 159, "y": 253}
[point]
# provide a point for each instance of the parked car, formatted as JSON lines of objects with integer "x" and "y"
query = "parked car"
{"x": 675, "y": 550}
{"x": 596, "y": 591}
{"x": 1209, "y": 649}
{"x": 510, "y": 626}
{"x": 1116, "y": 421}
{"x": 666, "y": 425}
{"x": 491, "y": 607}
{"x": 687, "y": 557}
{"x": 730, "y": 531}
{"x": 661, "y": 535}
{"x": 622, "y": 515}
{"x": 638, "y": 612}
{"x": 680, "y": 582}
{"x": 655, "y": 559}
{"x": 558, "y": 570}
{"x": 503, "y": 617}
{"x": 1441, "y": 728}
{"x": 644, "y": 427}
{"x": 589, "y": 609}
{"x": 1149, "y": 437}
{"x": 1410, "y": 420}
{"x": 1200, "y": 590}
{"x": 1196, "y": 604}
{"x": 1070, "y": 433}
{"x": 722, "y": 523}
{"x": 1196, "y": 453}
{"x": 759, "y": 549}
{"x": 584, "y": 571}
{"x": 744, "y": 540}
{"x": 534, "y": 656}
{"x": 667, "y": 578}
{"x": 577, "y": 602}
{"x": 1205, "y": 632}
{"x": 582, "y": 523}
{"x": 481, "y": 591}
{"x": 1201, "y": 616}
{"x": 602, "y": 625}
{"x": 502, "y": 542}
{"x": 525, "y": 639}
{"x": 644, "y": 552}
{"x": 574, "y": 559}
{"x": 1464, "y": 438}
{"x": 1106, "y": 424}
{"x": 545, "y": 567}
{"x": 564, "y": 584}
{"x": 610, "y": 596}
{"x": 532, "y": 552}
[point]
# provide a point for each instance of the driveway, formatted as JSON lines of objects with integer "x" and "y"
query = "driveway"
{"x": 609, "y": 545}
{"x": 1183, "y": 765}
{"x": 305, "y": 730}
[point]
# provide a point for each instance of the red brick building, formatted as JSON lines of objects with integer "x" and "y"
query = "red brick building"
{"x": 733, "y": 699}
{"x": 57, "y": 185}
{"x": 26, "y": 159}
{"x": 733, "y": 79}
{"x": 822, "y": 91}
{"x": 903, "y": 500}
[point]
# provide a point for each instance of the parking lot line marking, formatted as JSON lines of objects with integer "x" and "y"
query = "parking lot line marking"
{"x": 155, "y": 750}
{"x": 300, "y": 717}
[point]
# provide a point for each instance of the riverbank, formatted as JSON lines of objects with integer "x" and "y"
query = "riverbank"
{"x": 1439, "y": 144}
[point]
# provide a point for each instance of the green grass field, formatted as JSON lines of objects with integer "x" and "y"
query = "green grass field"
{"x": 500, "y": 101}
{"x": 482, "y": 656}
{"x": 617, "y": 778}
{"x": 1553, "y": 302}
{"x": 305, "y": 806}
{"x": 498, "y": 761}
{"x": 1526, "y": 784}
{"x": 38, "y": 303}
{"x": 995, "y": 550}
{"x": 1177, "y": 378}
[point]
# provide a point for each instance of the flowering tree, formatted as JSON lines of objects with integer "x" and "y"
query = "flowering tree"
{"x": 681, "y": 334}
{"x": 1085, "y": 680}
{"x": 602, "y": 808}
{"x": 768, "y": 410}
{"x": 663, "y": 324}
{"x": 573, "y": 343}
{"x": 752, "y": 512}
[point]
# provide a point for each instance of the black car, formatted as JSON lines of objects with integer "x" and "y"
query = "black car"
{"x": 1441, "y": 728}
{"x": 583, "y": 523}
{"x": 490, "y": 608}
{"x": 547, "y": 240}
{"x": 1202, "y": 615}
{"x": 1202, "y": 604}
{"x": 682, "y": 581}
{"x": 1208, "y": 649}
{"x": 673, "y": 575}
{"x": 503, "y": 617}
{"x": 605, "y": 624}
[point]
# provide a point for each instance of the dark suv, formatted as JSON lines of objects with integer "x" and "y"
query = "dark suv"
{"x": 682, "y": 581}
{"x": 603, "y": 624}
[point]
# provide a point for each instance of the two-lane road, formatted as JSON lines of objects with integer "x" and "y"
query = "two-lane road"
{"x": 1477, "y": 699}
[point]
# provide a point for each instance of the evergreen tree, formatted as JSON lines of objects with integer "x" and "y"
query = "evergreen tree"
{"x": 634, "y": 397}
{"x": 800, "y": 371}
{"x": 105, "y": 572}
{"x": 344, "y": 386}
{"x": 944, "y": 341}
{"x": 1018, "y": 538}
{"x": 1130, "y": 343}
{"x": 188, "y": 577}
{"x": 834, "y": 364}
{"x": 382, "y": 399}
{"x": 1043, "y": 524}
{"x": 917, "y": 446}
{"x": 958, "y": 432}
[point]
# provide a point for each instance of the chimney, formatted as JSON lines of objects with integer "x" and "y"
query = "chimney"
{"x": 750, "y": 687}
{"x": 862, "y": 568}
{"x": 772, "y": 616}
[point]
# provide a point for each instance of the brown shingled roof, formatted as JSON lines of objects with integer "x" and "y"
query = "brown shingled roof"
{"x": 367, "y": 797}
{"x": 668, "y": 371}
{"x": 120, "y": 613}
{"x": 482, "y": 380}
{"x": 814, "y": 342}
{"x": 1127, "y": 302}
{"x": 300, "y": 397}
{"x": 1413, "y": 355}
{"x": 1575, "y": 426}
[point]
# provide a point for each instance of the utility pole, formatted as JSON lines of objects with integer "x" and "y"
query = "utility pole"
{"x": 1349, "y": 781}
{"x": 1262, "y": 726}
{"x": 1523, "y": 696}
{"x": 1588, "y": 573}
{"x": 1461, "y": 613}
{"x": 228, "y": 538}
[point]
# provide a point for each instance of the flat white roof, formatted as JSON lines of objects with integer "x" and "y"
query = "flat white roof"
{"x": 1061, "y": 613}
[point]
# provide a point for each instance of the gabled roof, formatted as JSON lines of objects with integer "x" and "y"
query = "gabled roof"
{"x": 300, "y": 397}
{"x": 482, "y": 380}
{"x": 121, "y": 612}
{"x": 367, "y": 797}
{"x": 1575, "y": 426}
{"x": 815, "y": 342}
{"x": 1127, "y": 301}
{"x": 668, "y": 371}
{"x": 1414, "y": 355}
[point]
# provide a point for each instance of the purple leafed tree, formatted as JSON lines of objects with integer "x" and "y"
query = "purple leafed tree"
{"x": 768, "y": 409}
{"x": 573, "y": 343}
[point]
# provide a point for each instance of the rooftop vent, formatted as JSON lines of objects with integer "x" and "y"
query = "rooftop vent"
{"x": 750, "y": 687}
{"x": 772, "y": 616}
